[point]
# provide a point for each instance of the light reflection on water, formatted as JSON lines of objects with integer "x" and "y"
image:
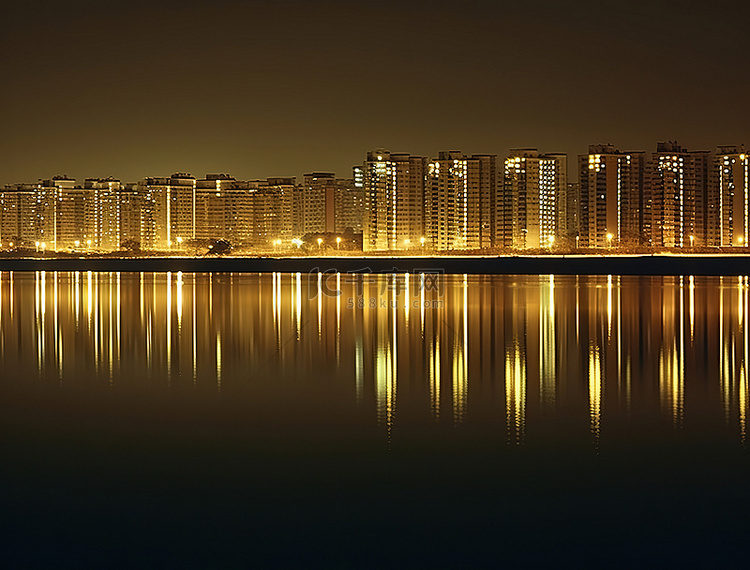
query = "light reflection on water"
{"x": 505, "y": 351}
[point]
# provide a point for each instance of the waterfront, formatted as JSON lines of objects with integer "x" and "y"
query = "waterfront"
{"x": 416, "y": 418}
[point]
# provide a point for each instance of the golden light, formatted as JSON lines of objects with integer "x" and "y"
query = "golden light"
{"x": 320, "y": 241}
{"x": 422, "y": 240}
{"x": 298, "y": 242}
{"x": 179, "y": 240}
{"x": 78, "y": 242}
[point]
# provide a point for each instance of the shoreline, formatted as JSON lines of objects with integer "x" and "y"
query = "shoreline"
{"x": 510, "y": 265}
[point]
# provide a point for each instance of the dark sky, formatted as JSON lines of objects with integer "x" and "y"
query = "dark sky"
{"x": 256, "y": 89}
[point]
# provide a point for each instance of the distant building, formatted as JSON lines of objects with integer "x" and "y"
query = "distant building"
{"x": 610, "y": 197}
{"x": 101, "y": 215}
{"x": 675, "y": 195}
{"x": 728, "y": 221}
{"x": 460, "y": 201}
{"x": 535, "y": 186}
{"x": 169, "y": 216}
{"x": 394, "y": 201}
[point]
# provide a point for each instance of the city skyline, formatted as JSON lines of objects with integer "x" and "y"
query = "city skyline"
{"x": 673, "y": 198}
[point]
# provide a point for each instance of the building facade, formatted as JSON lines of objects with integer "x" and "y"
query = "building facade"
{"x": 728, "y": 218}
{"x": 460, "y": 201}
{"x": 394, "y": 201}
{"x": 534, "y": 188}
{"x": 611, "y": 186}
{"x": 675, "y": 197}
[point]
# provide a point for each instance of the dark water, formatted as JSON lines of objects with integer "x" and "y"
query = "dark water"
{"x": 228, "y": 420}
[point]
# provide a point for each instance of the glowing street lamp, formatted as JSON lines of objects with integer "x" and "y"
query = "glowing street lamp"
{"x": 421, "y": 241}
{"x": 338, "y": 242}
{"x": 741, "y": 240}
{"x": 88, "y": 243}
{"x": 692, "y": 240}
{"x": 298, "y": 242}
{"x": 320, "y": 243}
{"x": 609, "y": 240}
{"x": 179, "y": 242}
{"x": 37, "y": 246}
{"x": 78, "y": 243}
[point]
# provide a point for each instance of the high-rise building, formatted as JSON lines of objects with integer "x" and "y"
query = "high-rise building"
{"x": 728, "y": 216}
{"x": 535, "y": 186}
{"x": 570, "y": 219}
{"x": 319, "y": 196}
{"x": 460, "y": 201}
{"x": 17, "y": 202}
{"x": 101, "y": 197}
{"x": 170, "y": 204}
{"x": 133, "y": 215}
{"x": 278, "y": 217}
{"x": 394, "y": 201}
{"x": 331, "y": 204}
{"x": 610, "y": 197}
{"x": 675, "y": 196}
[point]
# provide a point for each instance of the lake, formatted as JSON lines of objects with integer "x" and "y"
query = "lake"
{"x": 372, "y": 420}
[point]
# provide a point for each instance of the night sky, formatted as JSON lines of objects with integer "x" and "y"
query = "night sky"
{"x": 257, "y": 89}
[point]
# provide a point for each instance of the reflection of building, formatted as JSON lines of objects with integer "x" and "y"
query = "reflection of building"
{"x": 460, "y": 201}
{"x": 675, "y": 197}
{"x": 610, "y": 197}
{"x": 535, "y": 187}
{"x": 394, "y": 200}
{"x": 728, "y": 220}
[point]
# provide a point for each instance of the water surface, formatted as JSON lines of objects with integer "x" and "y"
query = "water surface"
{"x": 371, "y": 420}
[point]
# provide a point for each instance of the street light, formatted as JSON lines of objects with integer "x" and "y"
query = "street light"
{"x": 298, "y": 242}
{"x": 338, "y": 242}
{"x": 692, "y": 240}
{"x": 179, "y": 242}
{"x": 609, "y": 240}
{"x": 320, "y": 243}
{"x": 37, "y": 247}
{"x": 421, "y": 241}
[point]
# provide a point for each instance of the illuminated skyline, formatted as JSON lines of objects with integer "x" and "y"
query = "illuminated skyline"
{"x": 402, "y": 202}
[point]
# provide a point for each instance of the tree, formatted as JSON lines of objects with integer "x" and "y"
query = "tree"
{"x": 219, "y": 247}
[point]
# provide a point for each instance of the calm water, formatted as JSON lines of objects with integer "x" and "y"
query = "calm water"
{"x": 407, "y": 420}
